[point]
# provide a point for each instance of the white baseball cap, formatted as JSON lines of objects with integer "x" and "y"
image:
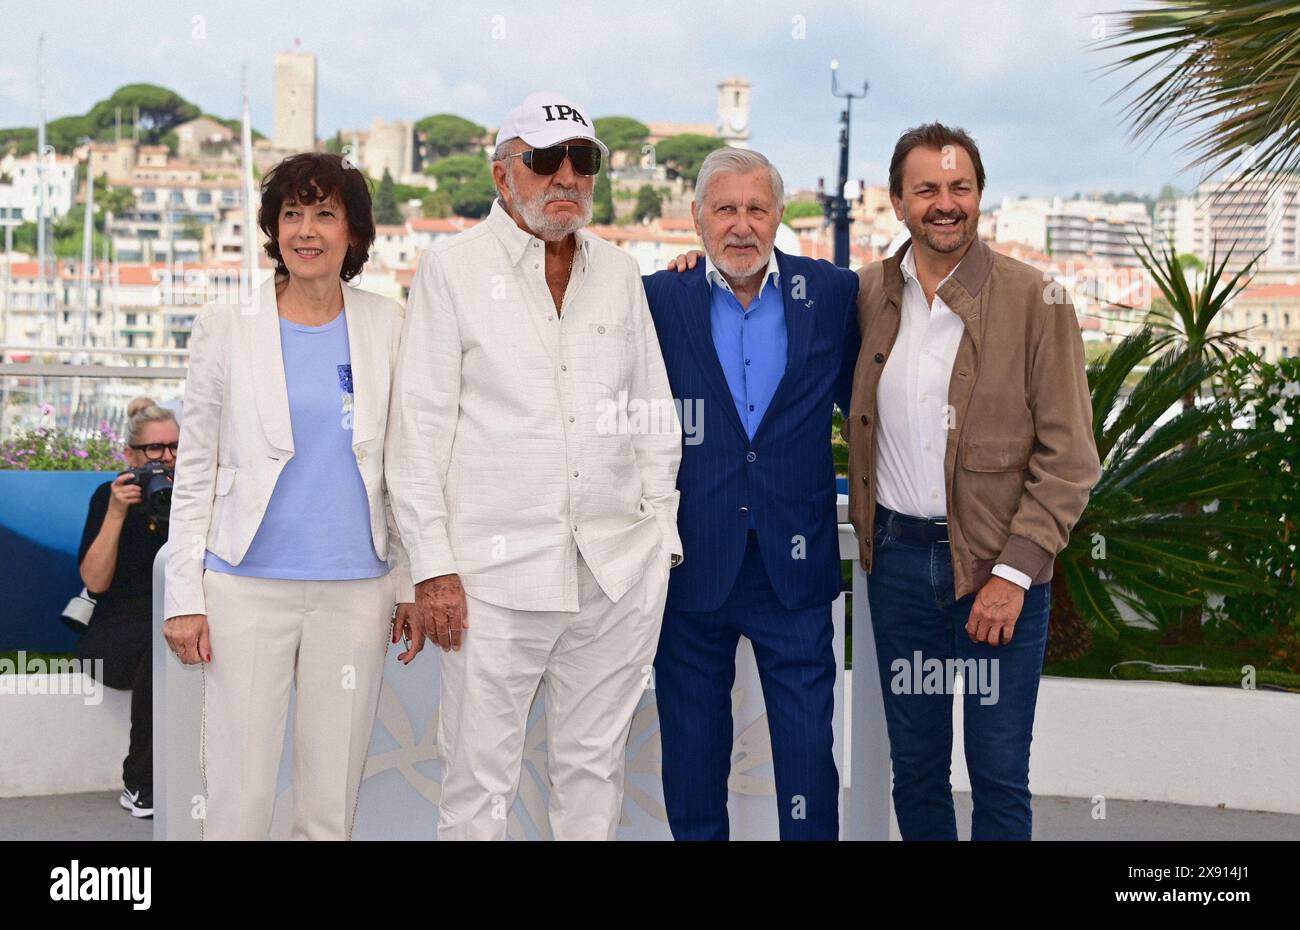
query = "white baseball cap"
{"x": 545, "y": 119}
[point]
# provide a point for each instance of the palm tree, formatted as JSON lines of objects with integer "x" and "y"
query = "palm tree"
{"x": 1189, "y": 318}
{"x": 1139, "y": 543}
{"x": 1228, "y": 70}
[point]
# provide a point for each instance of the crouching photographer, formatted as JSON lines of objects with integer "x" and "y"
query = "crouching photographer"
{"x": 125, "y": 528}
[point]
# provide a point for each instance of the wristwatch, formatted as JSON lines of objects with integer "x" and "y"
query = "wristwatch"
{"x": 676, "y": 560}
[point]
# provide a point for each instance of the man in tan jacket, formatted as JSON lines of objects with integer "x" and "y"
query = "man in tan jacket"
{"x": 971, "y": 458}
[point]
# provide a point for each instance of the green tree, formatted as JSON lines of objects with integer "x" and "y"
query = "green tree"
{"x": 467, "y": 183}
{"x": 649, "y": 203}
{"x": 67, "y": 234}
{"x": 385, "y": 209}
{"x": 683, "y": 154}
{"x": 21, "y": 140}
{"x": 457, "y": 169}
{"x": 474, "y": 197}
{"x": 25, "y": 238}
{"x": 800, "y": 209}
{"x": 115, "y": 200}
{"x": 622, "y": 133}
{"x": 602, "y": 200}
{"x": 435, "y": 204}
{"x": 1137, "y": 542}
{"x": 161, "y": 110}
{"x": 67, "y": 132}
{"x": 1188, "y": 317}
{"x": 447, "y": 134}
{"x": 407, "y": 192}
{"x": 1270, "y": 390}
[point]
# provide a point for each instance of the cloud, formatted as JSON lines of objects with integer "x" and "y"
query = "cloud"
{"x": 1017, "y": 73}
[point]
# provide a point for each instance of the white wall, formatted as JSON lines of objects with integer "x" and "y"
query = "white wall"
{"x": 56, "y": 743}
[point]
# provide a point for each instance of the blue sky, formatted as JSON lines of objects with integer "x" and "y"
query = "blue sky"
{"x": 1016, "y": 73}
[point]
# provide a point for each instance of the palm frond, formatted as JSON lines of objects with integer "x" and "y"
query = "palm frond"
{"x": 1229, "y": 71}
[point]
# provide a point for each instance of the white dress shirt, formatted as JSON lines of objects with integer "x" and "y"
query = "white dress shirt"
{"x": 912, "y": 410}
{"x": 517, "y": 440}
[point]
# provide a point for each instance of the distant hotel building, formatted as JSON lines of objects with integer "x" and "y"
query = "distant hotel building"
{"x": 21, "y": 195}
{"x": 1252, "y": 217}
{"x": 1076, "y": 229}
{"x": 1270, "y": 316}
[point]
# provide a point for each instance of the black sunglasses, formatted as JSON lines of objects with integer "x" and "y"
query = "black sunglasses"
{"x": 155, "y": 450}
{"x": 584, "y": 158}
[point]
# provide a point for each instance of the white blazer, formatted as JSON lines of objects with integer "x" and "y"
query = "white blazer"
{"x": 236, "y": 434}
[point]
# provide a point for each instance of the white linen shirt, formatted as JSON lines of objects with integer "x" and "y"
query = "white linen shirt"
{"x": 517, "y": 439}
{"x": 912, "y": 409}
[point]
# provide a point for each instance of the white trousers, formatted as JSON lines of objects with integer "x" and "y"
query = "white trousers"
{"x": 326, "y": 638}
{"x": 594, "y": 665}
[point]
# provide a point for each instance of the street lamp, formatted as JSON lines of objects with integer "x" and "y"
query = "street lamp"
{"x": 836, "y": 206}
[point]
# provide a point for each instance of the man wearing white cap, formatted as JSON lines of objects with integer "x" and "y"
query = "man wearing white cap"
{"x": 540, "y": 516}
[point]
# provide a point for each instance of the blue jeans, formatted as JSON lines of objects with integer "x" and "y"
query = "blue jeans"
{"x": 695, "y": 670}
{"x": 915, "y": 617}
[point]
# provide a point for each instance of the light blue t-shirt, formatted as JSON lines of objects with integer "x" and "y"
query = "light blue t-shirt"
{"x": 317, "y": 524}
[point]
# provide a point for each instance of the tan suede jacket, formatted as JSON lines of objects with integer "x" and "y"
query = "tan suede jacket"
{"x": 1021, "y": 459}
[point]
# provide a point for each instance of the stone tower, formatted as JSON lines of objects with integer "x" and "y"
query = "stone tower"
{"x": 295, "y": 101}
{"x": 733, "y": 112}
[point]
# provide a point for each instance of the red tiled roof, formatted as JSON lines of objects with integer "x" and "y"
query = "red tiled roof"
{"x": 450, "y": 224}
{"x": 1021, "y": 251}
{"x": 136, "y": 275}
{"x": 639, "y": 234}
{"x": 1271, "y": 292}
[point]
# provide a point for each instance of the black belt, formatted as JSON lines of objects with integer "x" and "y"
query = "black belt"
{"x": 916, "y": 530}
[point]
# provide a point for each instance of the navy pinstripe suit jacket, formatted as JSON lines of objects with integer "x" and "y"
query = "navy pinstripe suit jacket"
{"x": 785, "y": 475}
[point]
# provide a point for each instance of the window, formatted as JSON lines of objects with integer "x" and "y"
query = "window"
{"x": 205, "y": 198}
{"x": 148, "y": 196}
{"x": 1264, "y": 319}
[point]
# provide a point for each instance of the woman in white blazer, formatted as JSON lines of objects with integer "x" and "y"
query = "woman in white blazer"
{"x": 284, "y": 566}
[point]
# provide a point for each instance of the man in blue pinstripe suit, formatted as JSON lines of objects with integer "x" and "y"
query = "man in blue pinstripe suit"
{"x": 759, "y": 345}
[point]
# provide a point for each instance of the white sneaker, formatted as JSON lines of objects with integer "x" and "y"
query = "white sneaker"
{"x": 138, "y": 802}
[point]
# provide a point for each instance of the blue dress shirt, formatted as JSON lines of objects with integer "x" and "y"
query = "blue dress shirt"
{"x": 751, "y": 344}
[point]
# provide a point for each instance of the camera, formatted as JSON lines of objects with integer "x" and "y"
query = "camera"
{"x": 155, "y": 479}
